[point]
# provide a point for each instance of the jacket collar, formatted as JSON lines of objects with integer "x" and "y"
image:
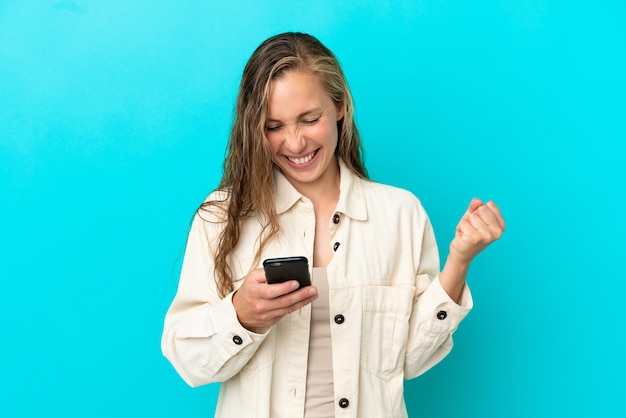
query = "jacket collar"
{"x": 351, "y": 197}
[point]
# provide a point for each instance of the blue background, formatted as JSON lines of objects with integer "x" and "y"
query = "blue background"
{"x": 113, "y": 122}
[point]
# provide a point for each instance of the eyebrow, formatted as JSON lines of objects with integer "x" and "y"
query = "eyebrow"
{"x": 301, "y": 115}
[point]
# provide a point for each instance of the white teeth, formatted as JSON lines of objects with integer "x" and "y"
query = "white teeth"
{"x": 302, "y": 160}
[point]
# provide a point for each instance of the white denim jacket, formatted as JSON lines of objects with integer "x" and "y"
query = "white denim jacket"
{"x": 390, "y": 318}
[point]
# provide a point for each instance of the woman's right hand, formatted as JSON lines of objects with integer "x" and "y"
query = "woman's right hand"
{"x": 260, "y": 305}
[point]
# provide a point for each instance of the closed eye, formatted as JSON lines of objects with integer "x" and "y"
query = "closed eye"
{"x": 273, "y": 128}
{"x": 311, "y": 121}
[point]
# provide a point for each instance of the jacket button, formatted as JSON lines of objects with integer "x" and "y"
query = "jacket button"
{"x": 336, "y": 218}
{"x": 237, "y": 340}
{"x": 336, "y": 246}
{"x": 339, "y": 319}
{"x": 343, "y": 403}
{"x": 442, "y": 315}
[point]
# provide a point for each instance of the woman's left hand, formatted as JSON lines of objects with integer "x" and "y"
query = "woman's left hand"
{"x": 481, "y": 225}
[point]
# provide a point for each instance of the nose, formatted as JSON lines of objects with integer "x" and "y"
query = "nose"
{"x": 294, "y": 140}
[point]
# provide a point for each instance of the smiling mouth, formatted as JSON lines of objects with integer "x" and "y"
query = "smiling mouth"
{"x": 303, "y": 160}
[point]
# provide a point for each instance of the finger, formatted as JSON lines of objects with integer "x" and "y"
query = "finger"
{"x": 296, "y": 300}
{"x": 477, "y": 223}
{"x": 300, "y": 304}
{"x": 464, "y": 226}
{"x": 299, "y": 295}
{"x": 281, "y": 306}
{"x": 473, "y": 226}
{"x": 277, "y": 314}
{"x": 257, "y": 276}
{"x": 496, "y": 211}
{"x": 474, "y": 204}
{"x": 275, "y": 290}
{"x": 487, "y": 232}
{"x": 488, "y": 216}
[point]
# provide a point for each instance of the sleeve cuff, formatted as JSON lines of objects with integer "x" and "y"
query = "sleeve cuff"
{"x": 234, "y": 336}
{"x": 436, "y": 308}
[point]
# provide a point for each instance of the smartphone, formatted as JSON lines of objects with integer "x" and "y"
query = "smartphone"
{"x": 278, "y": 270}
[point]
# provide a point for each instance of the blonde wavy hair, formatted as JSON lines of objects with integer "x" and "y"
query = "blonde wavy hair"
{"x": 248, "y": 168}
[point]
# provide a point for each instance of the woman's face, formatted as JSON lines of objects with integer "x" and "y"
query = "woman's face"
{"x": 301, "y": 127}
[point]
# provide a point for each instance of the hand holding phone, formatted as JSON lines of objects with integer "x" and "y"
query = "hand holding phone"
{"x": 278, "y": 270}
{"x": 260, "y": 306}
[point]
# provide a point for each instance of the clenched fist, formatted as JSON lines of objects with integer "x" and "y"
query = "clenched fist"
{"x": 480, "y": 226}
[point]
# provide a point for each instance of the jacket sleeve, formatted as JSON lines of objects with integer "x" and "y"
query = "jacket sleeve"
{"x": 435, "y": 316}
{"x": 202, "y": 337}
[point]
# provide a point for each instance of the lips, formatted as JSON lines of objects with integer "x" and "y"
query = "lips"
{"x": 302, "y": 160}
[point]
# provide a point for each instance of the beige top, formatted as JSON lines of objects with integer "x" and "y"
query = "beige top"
{"x": 319, "y": 378}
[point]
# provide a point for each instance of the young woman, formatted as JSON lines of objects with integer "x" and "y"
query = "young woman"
{"x": 379, "y": 310}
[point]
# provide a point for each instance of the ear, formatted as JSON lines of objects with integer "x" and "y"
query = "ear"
{"x": 340, "y": 111}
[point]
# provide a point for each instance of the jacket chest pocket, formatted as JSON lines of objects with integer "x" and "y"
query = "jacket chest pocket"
{"x": 385, "y": 328}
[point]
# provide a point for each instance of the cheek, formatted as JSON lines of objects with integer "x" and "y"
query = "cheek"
{"x": 274, "y": 140}
{"x": 323, "y": 133}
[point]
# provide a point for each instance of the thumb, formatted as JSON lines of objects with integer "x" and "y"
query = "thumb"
{"x": 257, "y": 276}
{"x": 474, "y": 204}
